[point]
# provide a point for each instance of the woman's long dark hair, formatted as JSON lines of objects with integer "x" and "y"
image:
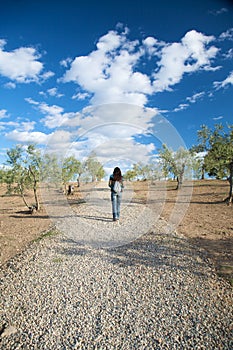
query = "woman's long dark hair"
{"x": 117, "y": 174}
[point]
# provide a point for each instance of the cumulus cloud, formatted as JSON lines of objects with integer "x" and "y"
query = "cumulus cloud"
{"x": 54, "y": 115}
{"x": 21, "y": 65}
{"x": 116, "y": 119}
{"x": 136, "y": 152}
{"x": 188, "y": 56}
{"x": 59, "y": 141}
{"x": 106, "y": 149}
{"x": 112, "y": 76}
{"x": 108, "y": 71}
{"x": 27, "y": 136}
{"x": 27, "y": 126}
{"x": 109, "y": 131}
{"x": 111, "y": 72}
{"x": 152, "y": 46}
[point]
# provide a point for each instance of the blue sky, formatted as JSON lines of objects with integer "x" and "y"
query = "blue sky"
{"x": 117, "y": 78}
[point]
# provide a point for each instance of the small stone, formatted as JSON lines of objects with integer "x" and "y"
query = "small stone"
{"x": 8, "y": 331}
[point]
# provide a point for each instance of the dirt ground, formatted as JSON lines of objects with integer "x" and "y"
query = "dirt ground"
{"x": 208, "y": 221}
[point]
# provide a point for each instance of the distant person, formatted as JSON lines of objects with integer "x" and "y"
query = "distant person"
{"x": 116, "y": 185}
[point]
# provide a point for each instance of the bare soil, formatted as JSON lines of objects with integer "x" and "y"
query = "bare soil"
{"x": 208, "y": 222}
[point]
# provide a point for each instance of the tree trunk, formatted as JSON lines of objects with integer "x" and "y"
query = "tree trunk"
{"x": 180, "y": 179}
{"x": 22, "y": 195}
{"x": 35, "y": 195}
{"x": 202, "y": 173}
{"x": 178, "y": 183}
{"x": 35, "y": 189}
{"x": 230, "y": 179}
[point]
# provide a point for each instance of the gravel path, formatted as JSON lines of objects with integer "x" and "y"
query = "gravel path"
{"x": 156, "y": 292}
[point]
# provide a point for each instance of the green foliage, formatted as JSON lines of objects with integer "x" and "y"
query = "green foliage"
{"x": 130, "y": 175}
{"x": 202, "y": 146}
{"x": 177, "y": 163}
{"x": 94, "y": 168}
{"x": 71, "y": 166}
{"x": 24, "y": 163}
{"x": 219, "y": 159}
{"x": 50, "y": 169}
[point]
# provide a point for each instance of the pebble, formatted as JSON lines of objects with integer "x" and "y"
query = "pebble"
{"x": 155, "y": 292}
{"x": 8, "y": 331}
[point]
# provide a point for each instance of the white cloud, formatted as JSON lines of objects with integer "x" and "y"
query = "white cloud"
{"x": 111, "y": 72}
{"x": 54, "y": 115}
{"x": 26, "y": 136}
{"x": 60, "y": 141}
{"x": 190, "y": 55}
{"x": 108, "y": 130}
{"x": 65, "y": 63}
{"x": 54, "y": 120}
{"x": 225, "y": 82}
{"x": 54, "y": 92}
{"x": 136, "y": 152}
{"x": 10, "y": 85}
{"x": 218, "y": 118}
{"x": 7, "y": 125}
{"x": 218, "y": 12}
{"x": 27, "y": 126}
{"x": 181, "y": 107}
{"x": 31, "y": 101}
{"x": 21, "y": 65}
{"x": 2, "y": 43}
{"x": 108, "y": 71}
{"x": 229, "y": 54}
{"x": 80, "y": 96}
{"x": 152, "y": 46}
{"x": 114, "y": 119}
{"x": 192, "y": 99}
{"x": 227, "y": 35}
{"x": 47, "y": 75}
{"x": 3, "y": 113}
{"x": 106, "y": 149}
{"x": 195, "y": 97}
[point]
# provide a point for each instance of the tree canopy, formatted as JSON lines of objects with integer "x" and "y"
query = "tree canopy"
{"x": 219, "y": 159}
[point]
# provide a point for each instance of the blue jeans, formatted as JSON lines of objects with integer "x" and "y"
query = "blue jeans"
{"x": 116, "y": 204}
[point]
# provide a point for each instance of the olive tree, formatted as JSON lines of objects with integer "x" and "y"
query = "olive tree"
{"x": 176, "y": 162}
{"x": 219, "y": 159}
{"x": 70, "y": 167}
{"x": 24, "y": 163}
{"x": 94, "y": 168}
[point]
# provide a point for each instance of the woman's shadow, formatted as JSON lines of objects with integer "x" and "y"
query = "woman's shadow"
{"x": 93, "y": 217}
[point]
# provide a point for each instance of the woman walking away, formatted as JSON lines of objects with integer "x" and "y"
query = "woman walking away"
{"x": 116, "y": 185}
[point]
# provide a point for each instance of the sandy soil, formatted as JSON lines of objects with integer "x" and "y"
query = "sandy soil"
{"x": 207, "y": 223}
